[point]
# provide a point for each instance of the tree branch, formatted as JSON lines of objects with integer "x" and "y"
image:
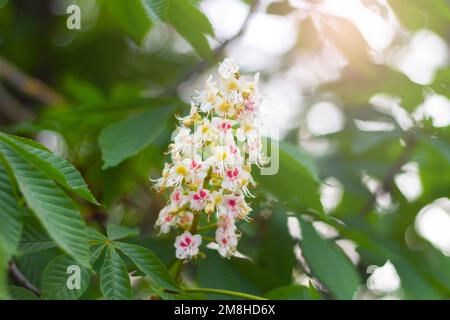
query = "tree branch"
{"x": 203, "y": 64}
{"x": 12, "y": 108}
{"x": 28, "y": 85}
{"x": 386, "y": 185}
{"x": 20, "y": 279}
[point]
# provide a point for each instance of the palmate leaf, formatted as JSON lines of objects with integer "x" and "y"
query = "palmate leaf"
{"x": 126, "y": 138}
{"x": 55, "y": 167}
{"x": 55, "y": 278}
{"x": 114, "y": 279}
{"x": 96, "y": 254}
{"x": 10, "y": 220}
{"x": 328, "y": 263}
{"x": 34, "y": 237}
{"x": 116, "y": 232}
{"x": 51, "y": 205}
{"x": 148, "y": 263}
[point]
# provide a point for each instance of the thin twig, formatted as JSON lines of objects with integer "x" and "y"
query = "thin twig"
{"x": 241, "y": 295}
{"x": 203, "y": 64}
{"x": 28, "y": 85}
{"x": 386, "y": 185}
{"x": 20, "y": 279}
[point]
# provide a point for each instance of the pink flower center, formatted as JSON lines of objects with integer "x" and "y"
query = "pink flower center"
{"x": 225, "y": 126}
{"x": 187, "y": 241}
{"x": 232, "y": 202}
{"x": 233, "y": 173}
{"x": 195, "y": 165}
{"x": 201, "y": 195}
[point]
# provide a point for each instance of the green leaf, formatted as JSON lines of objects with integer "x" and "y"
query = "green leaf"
{"x": 313, "y": 292}
{"x": 114, "y": 279}
{"x": 296, "y": 179}
{"x": 157, "y": 9}
{"x": 34, "y": 237}
{"x": 32, "y": 264}
{"x": 328, "y": 263}
{"x": 53, "y": 166}
{"x": 96, "y": 254}
{"x": 413, "y": 282}
{"x": 277, "y": 247}
{"x": 116, "y": 232}
{"x": 292, "y": 292}
{"x": 148, "y": 263}
{"x": 217, "y": 272}
{"x": 57, "y": 277}
{"x": 192, "y": 24}
{"x": 3, "y": 272}
{"x": 19, "y": 293}
{"x": 95, "y": 235}
{"x": 51, "y": 205}
{"x": 11, "y": 224}
{"x": 128, "y": 137}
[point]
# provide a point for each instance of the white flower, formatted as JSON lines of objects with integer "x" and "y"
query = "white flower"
{"x": 235, "y": 179}
{"x": 198, "y": 199}
{"x": 185, "y": 219}
{"x": 198, "y": 171}
{"x": 224, "y": 128}
{"x": 209, "y": 172}
{"x": 178, "y": 173}
{"x": 228, "y": 68}
{"x": 178, "y": 199}
{"x": 225, "y": 108}
{"x": 208, "y": 97}
{"x": 235, "y": 206}
{"x": 187, "y": 245}
{"x": 166, "y": 219}
{"x": 224, "y": 157}
{"x": 205, "y": 132}
{"x": 227, "y": 240}
{"x": 248, "y": 129}
{"x": 183, "y": 142}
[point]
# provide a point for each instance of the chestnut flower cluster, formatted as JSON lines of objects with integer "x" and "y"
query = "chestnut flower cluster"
{"x": 212, "y": 152}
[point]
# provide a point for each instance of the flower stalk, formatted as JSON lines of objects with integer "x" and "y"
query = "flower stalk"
{"x": 212, "y": 153}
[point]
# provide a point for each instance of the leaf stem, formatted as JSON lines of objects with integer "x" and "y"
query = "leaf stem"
{"x": 225, "y": 292}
